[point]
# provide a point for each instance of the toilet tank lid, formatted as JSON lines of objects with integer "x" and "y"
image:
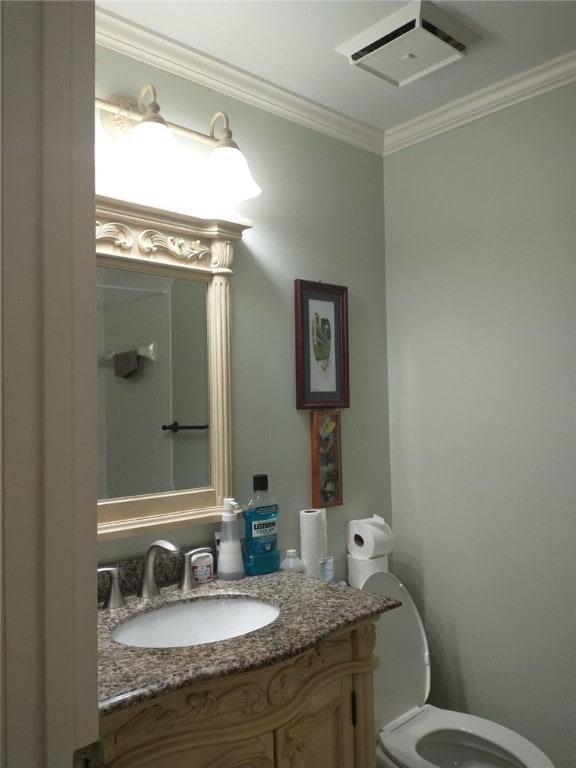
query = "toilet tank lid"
{"x": 402, "y": 647}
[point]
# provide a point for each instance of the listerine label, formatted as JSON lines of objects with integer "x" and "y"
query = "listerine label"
{"x": 263, "y": 529}
{"x": 263, "y": 536}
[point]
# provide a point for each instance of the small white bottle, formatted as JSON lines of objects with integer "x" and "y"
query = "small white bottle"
{"x": 202, "y": 567}
{"x": 230, "y": 564}
{"x": 292, "y": 562}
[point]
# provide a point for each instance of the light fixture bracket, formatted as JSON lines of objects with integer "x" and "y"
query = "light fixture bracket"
{"x": 150, "y": 111}
{"x": 119, "y": 125}
{"x": 225, "y": 139}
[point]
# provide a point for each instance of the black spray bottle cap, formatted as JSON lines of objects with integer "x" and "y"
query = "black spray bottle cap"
{"x": 260, "y": 482}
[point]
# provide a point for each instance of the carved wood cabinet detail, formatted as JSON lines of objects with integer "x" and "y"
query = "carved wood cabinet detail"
{"x": 309, "y": 711}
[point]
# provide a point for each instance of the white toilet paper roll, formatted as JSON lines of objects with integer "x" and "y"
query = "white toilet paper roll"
{"x": 313, "y": 539}
{"x": 360, "y": 569}
{"x": 370, "y": 537}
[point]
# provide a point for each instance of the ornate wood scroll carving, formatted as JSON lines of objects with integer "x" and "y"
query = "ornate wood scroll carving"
{"x": 298, "y": 732}
{"x": 253, "y": 755}
{"x": 222, "y": 254}
{"x": 150, "y": 240}
{"x": 363, "y": 642}
{"x": 251, "y": 700}
{"x": 247, "y": 699}
{"x": 291, "y": 678}
{"x": 115, "y": 233}
{"x": 247, "y": 753}
{"x": 150, "y": 720}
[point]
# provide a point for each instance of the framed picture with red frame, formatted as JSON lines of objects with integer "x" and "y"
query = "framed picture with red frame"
{"x": 326, "y": 446}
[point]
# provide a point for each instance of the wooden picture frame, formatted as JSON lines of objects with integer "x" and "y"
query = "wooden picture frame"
{"x": 321, "y": 313}
{"x": 326, "y": 445}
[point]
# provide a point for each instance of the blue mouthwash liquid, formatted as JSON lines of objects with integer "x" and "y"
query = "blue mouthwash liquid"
{"x": 261, "y": 553}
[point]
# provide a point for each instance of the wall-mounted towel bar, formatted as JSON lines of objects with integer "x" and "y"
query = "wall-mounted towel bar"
{"x": 148, "y": 351}
{"x": 175, "y": 427}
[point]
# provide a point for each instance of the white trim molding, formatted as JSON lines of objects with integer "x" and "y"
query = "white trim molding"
{"x": 481, "y": 103}
{"x": 48, "y": 410}
{"x": 143, "y": 45}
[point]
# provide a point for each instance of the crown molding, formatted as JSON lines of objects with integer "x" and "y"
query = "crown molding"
{"x": 143, "y": 45}
{"x": 481, "y": 103}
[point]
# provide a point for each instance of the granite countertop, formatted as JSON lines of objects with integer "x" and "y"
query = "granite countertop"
{"x": 310, "y": 611}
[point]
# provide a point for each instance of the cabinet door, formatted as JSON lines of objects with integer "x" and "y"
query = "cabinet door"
{"x": 322, "y": 735}
{"x": 250, "y": 753}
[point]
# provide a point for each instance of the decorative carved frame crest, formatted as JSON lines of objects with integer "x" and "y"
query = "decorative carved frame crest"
{"x": 137, "y": 237}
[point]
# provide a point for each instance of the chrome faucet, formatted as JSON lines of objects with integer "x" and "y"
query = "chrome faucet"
{"x": 114, "y": 597}
{"x": 187, "y": 579}
{"x": 148, "y": 586}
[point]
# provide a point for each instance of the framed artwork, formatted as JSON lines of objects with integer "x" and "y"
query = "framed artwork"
{"x": 321, "y": 312}
{"x": 326, "y": 458}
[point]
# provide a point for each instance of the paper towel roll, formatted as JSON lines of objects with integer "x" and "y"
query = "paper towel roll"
{"x": 370, "y": 537}
{"x": 360, "y": 569}
{"x": 313, "y": 539}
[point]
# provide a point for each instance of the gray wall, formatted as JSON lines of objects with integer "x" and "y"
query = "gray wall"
{"x": 480, "y": 310}
{"x": 319, "y": 218}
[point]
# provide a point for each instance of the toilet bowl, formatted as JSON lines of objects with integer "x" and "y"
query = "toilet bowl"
{"x": 438, "y": 738}
{"x": 414, "y": 734}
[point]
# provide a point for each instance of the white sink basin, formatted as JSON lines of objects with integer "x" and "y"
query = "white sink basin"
{"x": 195, "y": 622}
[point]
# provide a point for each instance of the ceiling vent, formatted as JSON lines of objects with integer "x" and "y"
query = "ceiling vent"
{"x": 408, "y": 44}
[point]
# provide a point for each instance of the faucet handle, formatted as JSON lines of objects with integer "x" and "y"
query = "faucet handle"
{"x": 187, "y": 579}
{"x": 114, "y": 597}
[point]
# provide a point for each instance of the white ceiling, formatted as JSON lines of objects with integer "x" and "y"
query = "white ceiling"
{"x": 290, "y": 43}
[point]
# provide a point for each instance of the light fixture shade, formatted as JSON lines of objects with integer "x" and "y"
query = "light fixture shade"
{"x": 152, "y": 137}
{"x": 149, "y": 159}
{"x": 228, "y": 173}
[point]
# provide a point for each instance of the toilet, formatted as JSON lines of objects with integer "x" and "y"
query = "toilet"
{"x": 414, "y": 734}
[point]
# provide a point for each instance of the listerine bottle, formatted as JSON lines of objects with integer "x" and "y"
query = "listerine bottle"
{"x": 261, "y": 553}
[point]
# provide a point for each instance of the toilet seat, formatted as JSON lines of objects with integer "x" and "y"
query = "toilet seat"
{"x": 401, "y": 743}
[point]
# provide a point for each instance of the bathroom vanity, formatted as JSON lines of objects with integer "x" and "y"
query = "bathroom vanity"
{"x": 296, "y": 693}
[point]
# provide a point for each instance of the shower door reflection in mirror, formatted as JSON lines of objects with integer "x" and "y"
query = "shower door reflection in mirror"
{"x": 152, "y": 372}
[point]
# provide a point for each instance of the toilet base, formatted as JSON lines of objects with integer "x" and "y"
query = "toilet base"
{"x": 383, "y": 761}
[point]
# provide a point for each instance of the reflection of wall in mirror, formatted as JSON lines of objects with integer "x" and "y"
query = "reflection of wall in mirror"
{"x": 134, "y": 457}
{"x": 191, "y": 449}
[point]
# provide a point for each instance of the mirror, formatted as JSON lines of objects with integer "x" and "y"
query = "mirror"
{"x": 163, "y": 316}
{"x": 153, "y": 422}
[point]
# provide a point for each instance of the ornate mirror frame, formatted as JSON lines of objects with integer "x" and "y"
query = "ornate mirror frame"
{"x": 136, "y": 237}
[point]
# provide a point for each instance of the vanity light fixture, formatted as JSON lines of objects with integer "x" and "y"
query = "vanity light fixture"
{"x": 227, "y": 166}
{"x": 150, "y": 112}
{"x": 228, "y": 171}
{"x": 151, "y": 136}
